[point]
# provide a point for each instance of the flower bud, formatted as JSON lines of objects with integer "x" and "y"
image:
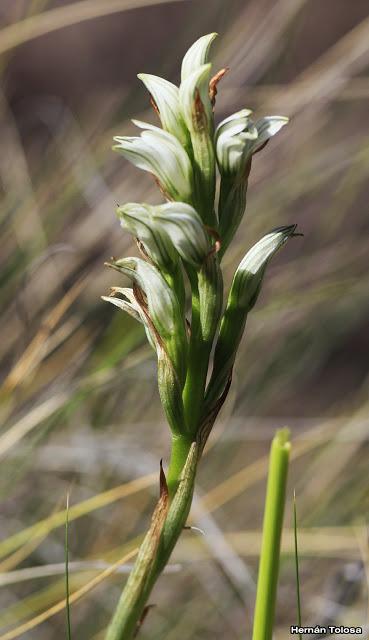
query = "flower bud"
{"x": 160, "y": 153}
{"x": 197, "y": 55}
{"x": 244, "y": 292}
{"x": 247, "y": 279}
{"x": 166, "y": 97}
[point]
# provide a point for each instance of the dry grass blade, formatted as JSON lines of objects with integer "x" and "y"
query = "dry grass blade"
{"x": 242, "y": 480}
{"x": 74, "y": 597}
{"x": 32, "y": 419}
{"x": 67, "y": 594}
{"x": 61, "y": 17}
{"x": 35, "y": 350}
{"x": 76, "y": 511}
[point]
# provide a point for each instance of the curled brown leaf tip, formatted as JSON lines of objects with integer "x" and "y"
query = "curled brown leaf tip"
{"x": 213, "y": 84}
{"x": 143, "y": 618}
{"x": 163, "y": 482}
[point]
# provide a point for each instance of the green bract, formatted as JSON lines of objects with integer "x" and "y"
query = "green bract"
{"x": 198, "y": 116}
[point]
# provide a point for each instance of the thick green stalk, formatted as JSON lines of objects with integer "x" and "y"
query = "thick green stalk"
{"x": 272, "y": 529}
{"x": 232, "y": 204}
{"x": 167, "y": 524}
{"x": 207, "y": 298}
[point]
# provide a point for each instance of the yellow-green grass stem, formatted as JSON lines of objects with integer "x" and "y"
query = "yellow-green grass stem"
{"x": 271, "y": 538}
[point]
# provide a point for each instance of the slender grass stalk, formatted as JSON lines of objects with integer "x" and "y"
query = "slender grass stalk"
{"x": 180, "y": 239}
{"x": 297, "y": 569}
{"x": 271, "y": 538}
{"x": 66, "y": 547}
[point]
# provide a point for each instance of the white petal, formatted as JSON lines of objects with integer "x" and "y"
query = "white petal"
{"x": 195, "y": 83}
{"x": 160, "y": 153}
{"x": 166, "y": 97}
{"x": 267, "y": 128}
{"x": 185, "y": 229}
{"x": 197, "y": 55}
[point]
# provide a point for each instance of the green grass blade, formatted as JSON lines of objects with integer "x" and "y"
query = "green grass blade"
{"x": 271, "y": 540}
{"x": 66, "y": 547}
{"x": 298, "y": 595}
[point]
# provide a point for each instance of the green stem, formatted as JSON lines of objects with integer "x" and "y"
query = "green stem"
{"x": 194, "y": 390}
{"x": 271, "y": 539}
{"x": 207, "y": 297}
{"x": 154, "y": 553}
{"x": 178, "y": 456}
{"x": 297, "y": 570}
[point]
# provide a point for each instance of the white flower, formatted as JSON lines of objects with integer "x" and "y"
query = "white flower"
{"x": 162, "y": 304}
{"x": 130, "y": 306}
{"x": 160, "y": 153}
{"x": 138, "y": 219}
{"x": 267, "y": 128}
{"x": 232, "y": 140}
{"x": 160, "y": 309}
{"x": 166, "y": 97}
{"x": 185, "y": 229}
{"x": 167, "y": 229}
{"x": 237, "y": 138}
{"x": 197, "y": 55}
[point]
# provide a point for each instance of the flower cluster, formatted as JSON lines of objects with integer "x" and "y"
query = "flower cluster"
{"x": 186, "y": 237}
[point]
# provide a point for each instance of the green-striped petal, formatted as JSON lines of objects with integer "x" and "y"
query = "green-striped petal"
{"x": 166, "y": 97}
{"x": 197, "y": 55}
{"x": 160, "y": 153}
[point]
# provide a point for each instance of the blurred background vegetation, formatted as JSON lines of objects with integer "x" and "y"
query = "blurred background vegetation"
{"x": 79, "y": 404}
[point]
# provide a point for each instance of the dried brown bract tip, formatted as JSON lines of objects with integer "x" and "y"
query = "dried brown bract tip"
{"x": 213, "y": 84}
